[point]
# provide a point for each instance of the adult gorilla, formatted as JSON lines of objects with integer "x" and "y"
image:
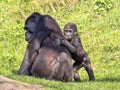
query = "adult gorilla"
{"x": 43, "y": 57}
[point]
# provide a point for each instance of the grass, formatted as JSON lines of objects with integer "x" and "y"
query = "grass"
{"x": 99, "y": 31}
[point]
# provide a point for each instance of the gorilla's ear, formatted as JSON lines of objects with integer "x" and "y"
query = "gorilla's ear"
{"x": 75, "y": 33}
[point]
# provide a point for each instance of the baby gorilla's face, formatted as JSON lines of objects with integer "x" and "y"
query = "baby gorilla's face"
{"x": 68, "y": 33}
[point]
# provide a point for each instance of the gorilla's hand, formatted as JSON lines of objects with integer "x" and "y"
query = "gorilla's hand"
{"x": 58, "y": 41}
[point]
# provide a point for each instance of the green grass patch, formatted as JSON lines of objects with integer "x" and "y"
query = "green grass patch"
{"x": 98, "y": 23}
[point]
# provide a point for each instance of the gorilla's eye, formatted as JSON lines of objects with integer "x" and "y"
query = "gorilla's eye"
{"x": 33, "y": 20}
{"x": 68, "y": 30}
{"x": 25, "y": 28}
{"x": 29, "y": 31}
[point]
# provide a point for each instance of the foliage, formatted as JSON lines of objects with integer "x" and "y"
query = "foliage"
{"x": 103, "y": 5}
{"x": 98, "y": 23}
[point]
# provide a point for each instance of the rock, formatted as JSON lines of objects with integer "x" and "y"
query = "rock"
{"x": 9, "y": 84}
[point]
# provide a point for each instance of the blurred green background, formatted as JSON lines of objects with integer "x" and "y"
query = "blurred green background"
{"x": 98, "y": 23}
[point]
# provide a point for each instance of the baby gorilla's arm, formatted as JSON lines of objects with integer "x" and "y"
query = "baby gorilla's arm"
{"x": 67, "y": 44}
{"x": 71, "y": 48}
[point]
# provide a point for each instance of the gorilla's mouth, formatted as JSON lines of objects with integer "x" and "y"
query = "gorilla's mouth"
{"x": 28, "y": 36}
{"x": 68, "y": 37}
{"x": 26, "y": 39}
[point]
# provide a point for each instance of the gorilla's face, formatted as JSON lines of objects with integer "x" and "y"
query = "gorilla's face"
{"x": 30, "y": 26}
{"x": 70, "y": 30}
{"x": 68, "y": 33}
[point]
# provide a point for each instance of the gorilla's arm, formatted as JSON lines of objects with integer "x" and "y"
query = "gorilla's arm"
{"x": 72, "y": 46}
{"x": 69, "y": 46}
{"x": 39, "y": 38}
{"x": 31, "y": 53}
{"x": 28, "y": 59}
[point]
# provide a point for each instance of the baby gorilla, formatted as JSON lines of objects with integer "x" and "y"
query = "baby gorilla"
{"x": 79, "y": 55}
